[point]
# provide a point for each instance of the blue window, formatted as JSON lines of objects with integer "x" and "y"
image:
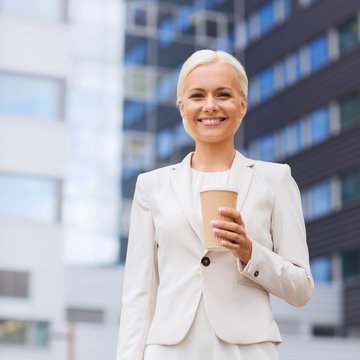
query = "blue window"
{"x": 166, "y": 87}
{"x": 164, "y": 144}
{"x": 182, "y": 138}
{"x": 284, "y": 72}
{"x": 321, "y": 269}
{"x": 266, "y": 147}
{"x": 134, "y": 111}
{"x": 248, "y": 31}
{"x": 286, "y": 4}
{"x": 266, "y": 18}
{"x": 320, "y": 200}
{"x": 166, "y": 32}
{"x": 31, "y": 198}
{"x": 30, "y": 96}
{"x": 319, "y": 125}
{"x": 267, "y": 83}
{"x": 292, "y": 138}
{"x": 319, "y": 53}
{"x": 137, "y": 54}
{"x": 183, "y": 18}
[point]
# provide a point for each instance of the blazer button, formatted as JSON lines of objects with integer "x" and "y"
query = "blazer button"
{"x": 205, "y": 261}
{"x": 256, "y": 273}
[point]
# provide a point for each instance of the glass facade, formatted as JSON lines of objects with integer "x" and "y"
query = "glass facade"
{"x": 319, "y": 125}
{"x": 349, "y": 110}
{"x": 319, "y": 200}
{"x": 348, "y": 35}
{"x": 321, "y": 269}
{"x": 29, "y": 198}
{"x": 351, "y": 266}
{"x": 350, "y": 187}
{"x": 32, "y": 96}
{"x": 319, "y": 53}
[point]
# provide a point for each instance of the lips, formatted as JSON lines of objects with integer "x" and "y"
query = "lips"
{"x": 213, "y": 121}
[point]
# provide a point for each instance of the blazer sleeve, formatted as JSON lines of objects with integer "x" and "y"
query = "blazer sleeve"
{"x": 140, "y": 279}
{"x": 285, "y": 271}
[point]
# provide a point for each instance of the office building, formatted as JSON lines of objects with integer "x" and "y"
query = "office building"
{"x": 304, "y": 110}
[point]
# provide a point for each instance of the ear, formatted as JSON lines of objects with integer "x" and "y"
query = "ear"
{"x": 243, "y": 106}
{"x": 181, "y": 109}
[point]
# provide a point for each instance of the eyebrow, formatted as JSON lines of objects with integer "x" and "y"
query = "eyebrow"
{"x": 218, "y": 89}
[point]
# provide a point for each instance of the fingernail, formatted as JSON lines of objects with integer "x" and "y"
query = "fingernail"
{"x": 213, "y": 222}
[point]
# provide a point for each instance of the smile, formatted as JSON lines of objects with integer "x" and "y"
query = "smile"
{"x": 212, "y": 121}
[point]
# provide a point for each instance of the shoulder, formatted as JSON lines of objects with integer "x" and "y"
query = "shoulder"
{"x": 270, "y": 172}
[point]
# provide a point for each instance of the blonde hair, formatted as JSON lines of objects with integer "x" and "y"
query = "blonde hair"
{"x": 202, "y": 57}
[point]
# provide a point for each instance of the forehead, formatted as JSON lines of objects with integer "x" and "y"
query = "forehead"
{"x": 211, "y": 75}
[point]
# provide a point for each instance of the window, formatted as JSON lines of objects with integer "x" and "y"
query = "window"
{"x": 136, "y": 49}
{"x": 24, "y": 333}
{"x": 30, "y": 198}
{"x": 164, "y": 144}
{"x": 211, "y": 27}
{"x": 319, "y": 125}
{"x": 350, "y": 187}
{"x": 85, "y": 315}
{"x": 351, "y": 265}
{"x": 166, "y": 32}
{"x": 266, "y": 147}
{"x": 324, "y": 330}
{"x": 349, "y": 110}
{"x": 166, "y": 87}
{"x": 291, "y": 138}
{"x": 14, "y": 284}
{"x": 134, "y": 112}
{"x": 32, "y": 96}
{"x": 348, "y": 35}
{"x": 266, "y": 18}
{"x": 267, "y": 83}
{"x": 137, "y": 149}
{"x": 321, "y": 269}
{"x": 41, "y": 9}
{"x": 319, "y": 200}
{"x": 184, "y": 20}
{"x": 318, "y": 52}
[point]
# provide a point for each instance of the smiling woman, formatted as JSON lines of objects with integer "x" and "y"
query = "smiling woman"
{"x": 182, "y": 300}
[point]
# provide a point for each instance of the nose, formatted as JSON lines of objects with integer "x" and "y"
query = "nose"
{"x": 210, "y": 104}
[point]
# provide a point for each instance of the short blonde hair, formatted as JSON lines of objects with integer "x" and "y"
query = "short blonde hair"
{"x": 202, "y": 57}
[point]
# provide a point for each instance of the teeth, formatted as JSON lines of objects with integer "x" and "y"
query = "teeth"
{"x": 211, "y": 121}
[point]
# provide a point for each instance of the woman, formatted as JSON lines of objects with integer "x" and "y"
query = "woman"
{"x": 181, "y": 301}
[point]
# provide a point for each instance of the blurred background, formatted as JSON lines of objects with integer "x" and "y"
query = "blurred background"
{"x": 87, "y": 102}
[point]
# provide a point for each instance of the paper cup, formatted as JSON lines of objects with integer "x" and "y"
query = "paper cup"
{"x": 213, "y": 197}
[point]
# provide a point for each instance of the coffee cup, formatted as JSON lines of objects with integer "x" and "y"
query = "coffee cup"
{"x": 212, "y": 198}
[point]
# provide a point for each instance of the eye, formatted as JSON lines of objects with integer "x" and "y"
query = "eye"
{"x": 196, "y": 96}
{"x": 224, "y": 95}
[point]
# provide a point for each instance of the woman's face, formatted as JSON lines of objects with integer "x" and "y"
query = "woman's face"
{"x": 212, "y": 103}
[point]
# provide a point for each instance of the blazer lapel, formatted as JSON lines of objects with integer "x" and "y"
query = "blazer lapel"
{"x": 240, "y": 177}
{"x": 181, "y": 181}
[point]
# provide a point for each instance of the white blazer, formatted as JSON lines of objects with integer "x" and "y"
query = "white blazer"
{"x": 164, "y": 277}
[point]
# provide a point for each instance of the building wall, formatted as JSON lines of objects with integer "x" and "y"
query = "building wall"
{"x": 33, "y": 147}
{"x": 332, "y": 234}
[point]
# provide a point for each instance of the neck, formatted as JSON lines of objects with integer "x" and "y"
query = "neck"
{"x": 213, "y": 156}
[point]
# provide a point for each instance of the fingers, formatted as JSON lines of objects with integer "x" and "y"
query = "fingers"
{"x": 232, "y": 213}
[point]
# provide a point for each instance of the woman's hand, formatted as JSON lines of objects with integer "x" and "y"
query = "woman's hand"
{"x": 234, "y": 234}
